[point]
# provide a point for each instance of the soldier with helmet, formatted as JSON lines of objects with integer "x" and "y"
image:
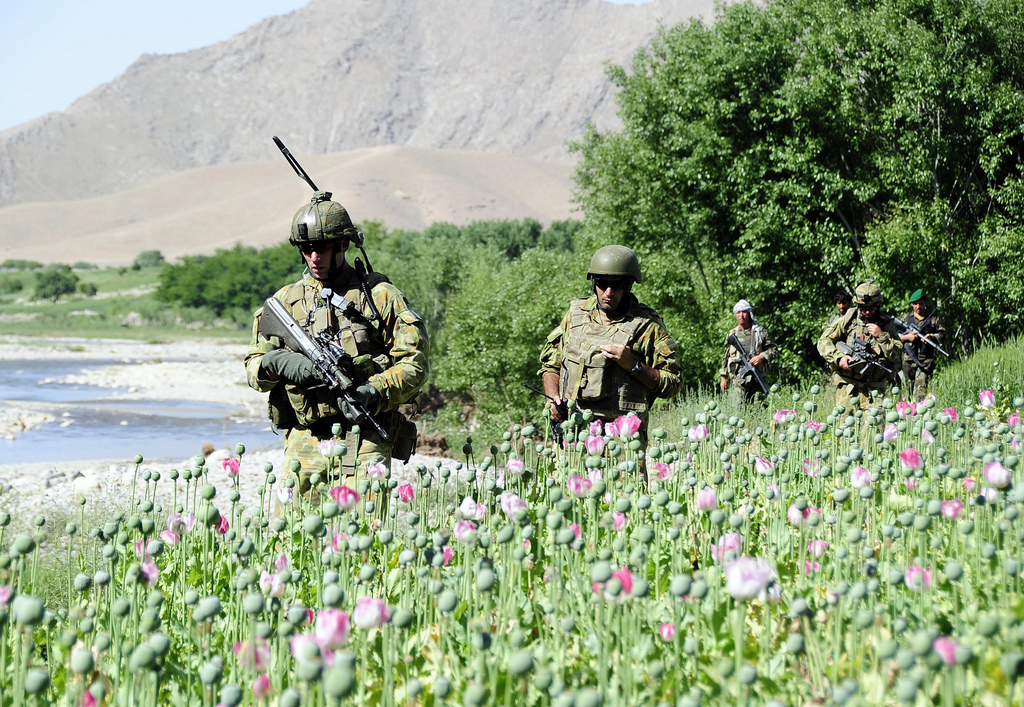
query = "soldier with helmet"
{"x": 364, "y": 314}
{"x": 611, "y": 354}
{"x": 857, "y": 381}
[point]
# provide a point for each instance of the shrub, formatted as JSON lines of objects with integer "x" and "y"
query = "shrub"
{"x": 148, "y": 259}
{"x": 52, "y": 283}
{"x": 88, "y": 289}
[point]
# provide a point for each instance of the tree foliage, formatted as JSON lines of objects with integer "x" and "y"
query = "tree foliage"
{"x": 54, "y": 283}
{"x": 797, "y": 146}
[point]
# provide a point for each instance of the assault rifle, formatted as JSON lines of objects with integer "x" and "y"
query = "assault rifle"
{"x": 910, "y": 325}
{"x": 861, "y": 352}
{"x": 748, "y": 367}
{"x": 332, "y": 364}
{"x": 560, "y": 405}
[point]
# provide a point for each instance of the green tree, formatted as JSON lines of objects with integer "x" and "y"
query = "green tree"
{"x": 148, "y": 259}
{"x": 53, "y": 283}
{"x": 800, "y": 145}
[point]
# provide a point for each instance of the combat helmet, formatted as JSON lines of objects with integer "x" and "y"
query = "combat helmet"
{"x": 867, "y": 293}
{"x": 323, "y": 220}
{"x": 615, "y": 261}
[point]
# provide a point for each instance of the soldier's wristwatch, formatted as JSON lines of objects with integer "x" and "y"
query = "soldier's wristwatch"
{"x": 636, "y": 369}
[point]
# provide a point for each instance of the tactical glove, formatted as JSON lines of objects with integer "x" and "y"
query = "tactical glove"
{"x": 369, "y": 396}
{"x": 291, "y": 366}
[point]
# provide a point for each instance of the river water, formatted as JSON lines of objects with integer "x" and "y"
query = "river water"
{"x": 104, "y": 427}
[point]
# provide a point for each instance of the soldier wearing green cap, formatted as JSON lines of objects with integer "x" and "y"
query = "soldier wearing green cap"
{"x": 917, "y": 373}
{"x": 370, "y": 320}
{"x": 611, "y": 354}
{"x": 858, "y": 382}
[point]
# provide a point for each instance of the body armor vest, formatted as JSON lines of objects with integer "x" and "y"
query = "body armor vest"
{"x": 594, "y": 381}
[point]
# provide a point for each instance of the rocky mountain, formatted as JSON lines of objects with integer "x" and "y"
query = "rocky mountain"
{"x": 514, "y": 77}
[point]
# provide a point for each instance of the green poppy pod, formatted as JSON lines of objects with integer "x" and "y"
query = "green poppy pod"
{"x": 442, "y": 687}
{"x": 795, "y": 643}
{"x": 82, "y": 661}
{"x": 402, "y": 618}
{"x": 230, "y": 695}
{"x": 36, "y": 681}
{"x": 143, "y": 656}
{"x": 290, "y": 698}
{"x": 27, "y": 610}
{"x": 447, "y": 601}
{"x": 520, "y": 663}
{"x": 588, "y": 697}
{"x": 160, "y": 643}
{"x": 474, "y": 695}
{"x": 339, "y": 682}
{"x": 207, "y": 609}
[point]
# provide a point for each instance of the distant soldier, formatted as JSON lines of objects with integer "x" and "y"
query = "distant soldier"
{"x": 843, "y": 300}
{"x": 611, "y": 354}
{"x": 369, "y": 319}
{"x": 862, "y": 349}
{"x": 734, "y": 375}
{"x": 918, "y": 373}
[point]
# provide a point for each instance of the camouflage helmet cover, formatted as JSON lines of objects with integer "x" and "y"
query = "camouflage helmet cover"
{"x": 616, "y": 261}
{"x": 322, "y": 220}
{"x": 867, "y": 293}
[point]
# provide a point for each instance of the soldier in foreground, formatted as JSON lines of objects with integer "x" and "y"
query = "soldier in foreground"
{"x": 748, "y": 353}
{"x": 862, "y": 349}
{"x": 611, "y": 354}
{"x": 923, "y": 338}
{"x": 369, "y": 319}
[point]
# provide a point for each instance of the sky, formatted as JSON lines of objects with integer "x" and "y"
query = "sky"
{"x": 55, "y": 51}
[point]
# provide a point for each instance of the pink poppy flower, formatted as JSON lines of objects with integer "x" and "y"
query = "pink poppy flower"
{"x": 447, "y": 554}
{"x": 596, "y": 427}
{"x": 953, "y": 417}
{"x": 576, "y": 530}
{"x": 917, "y": 578}
{"x": 697, "y": 433}
{"x": 261, "y": 687}
{"x": 511, "y": 503}
{"x": 578, "y": 486}
{"x": 471, "y": 510}
{"x": 88, "y": 700}
{"x": 730, "y": 542}
{"x": 338, "y": 542}
{"x": 811, "y": 468}
{"x": 662, "y": 470}
{"x": 997, "y": 475}
{"x": 595, "y": 475}
{"x": 150, "y": 572}
{"x": 253, "y": 655}
{"x": 332, "y": 628}
{"x": 811, "y": 567}
{"x": 179, "y": 525}
{"x": 951, "y": 509}
{"x": 667, "y": 632}
{"x": 707, "y": 499}
{"x": 285, "y": 495}
{"x": 223, "y": 526}
{"x": 231, "y": 466}
{"x": 817, "y": 547}
{"x": 989, "y": 494}
{"x": 370, "y": 613}
{"x": 946, "y": 649}
{"x": 281, "y": 562}
{"x": 746, "y": 577}
{"x": 890, "y": 433}
{"x": 463, "y": 530}
{"x": 168, "y": 538}
{"x": 986, "y": 399}
{"x": 860, "y": 477}
{"x": 271, "y": 585}
{"x": 377, "y": 470}
{"x": 927, "y": 437}
{"x": 905, "y": 409}
{"x": 1013, "y": 420}
{"x": 405, "y": 493}
{"x": 911, "y": 458}
{"x": 626, "y": 578}
{"x": 304, "y": 646}
{"x": 628, "y": 425}
{"x": 910, "y": 483}
{"x": 515, "y": 466}
{"x": 329, "y": 448}
{"x": 783, "y": 417}
{"x": 816, "y": 426}
{"x": 619, "y": 521}
{"x": 595, "y": 445}
{"x": 140, "y": 548}
{"x": 345, "y": 497}
{"x": 775, "y": 493}
{"x": 763, "y": 466}
{"x": 795, "y": 515}
{"x": 969, "y": 484}
{"x": 611, "y": 429}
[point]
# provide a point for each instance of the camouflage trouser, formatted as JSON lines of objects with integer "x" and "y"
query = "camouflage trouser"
{"x": 916, "y": 380}
{"x": 858, "y": 393}
{"x": 304, "y": 447}
{"x": 743, "y": 391}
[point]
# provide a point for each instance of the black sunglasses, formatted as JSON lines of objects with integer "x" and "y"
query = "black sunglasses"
{"x": 315, "y": 247}
{"x": 602, "y": 284}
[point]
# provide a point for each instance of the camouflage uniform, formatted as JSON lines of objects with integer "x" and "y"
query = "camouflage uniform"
{"x": 917, "y": 377}
{"x": 393, "y": 360}
{"x": 573, "y": 352}
{"x": 852, "y": 385}
{"x": 756, "y": 341}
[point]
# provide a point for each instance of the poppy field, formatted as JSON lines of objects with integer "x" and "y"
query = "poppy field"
{"x": 800, "y": 555}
